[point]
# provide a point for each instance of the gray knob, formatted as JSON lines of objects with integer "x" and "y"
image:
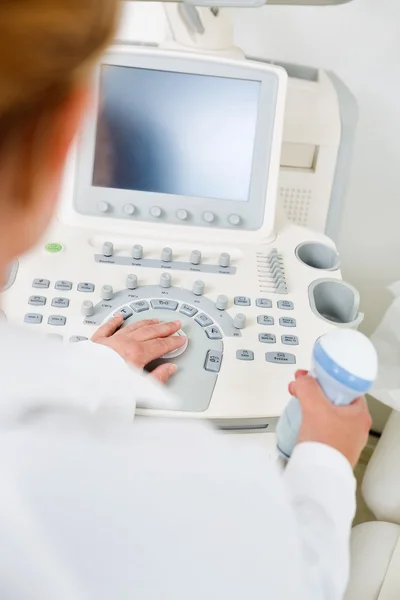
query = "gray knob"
{"x": 222, "y": 302}
{"x": 239, "y": 321}
{"x": 137, "y": 251}
{"x": 131, "y": 282}
{"x": 195, "y": 257}
{"x": 103, "y": 206}
{"x": 107, "y": 292}
{"x": 198, "y": 288}
{"x": 108, "y": 249}
{"x": 166, "y": 255}
{"x": 235, "y": 220}
{"x": 87, "y": 308}
{"x": 165, "y": 280}
{"x": 224, "y": 260}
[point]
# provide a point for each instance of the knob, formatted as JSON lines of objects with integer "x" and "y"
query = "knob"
{"x": 131, "y": 282}
{"x": 129, "y": 209}
{"x": 182, "y": 214}
{"x": 235, "y": 220}
{"x": 137, "y": 251}
{"x": 239, "y": 321}
{"x": 224, "y": 260}
{"x": 108, "y": 249}
{"x": 87, "y": 308}
{"x": 208, "y": 217}
{"x": 195, "y": 257}
{"x": 155, "y": 212}
{"x": 198, "y": 288}
{"x": 103, "y": 206}
{"x": 107, "y": 292}
{"x": 166, "y": 255}
{"x": 165, "y": 280}
{"x": 222, "y": 302}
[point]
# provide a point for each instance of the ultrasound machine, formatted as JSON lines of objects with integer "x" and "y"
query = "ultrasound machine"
{"x": 169, "y": 211}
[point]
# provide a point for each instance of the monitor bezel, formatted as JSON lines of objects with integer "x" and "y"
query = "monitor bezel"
{"x": 256, "y": 214}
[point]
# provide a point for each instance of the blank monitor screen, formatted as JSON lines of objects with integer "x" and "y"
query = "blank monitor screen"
{"x": 176, "y": 133}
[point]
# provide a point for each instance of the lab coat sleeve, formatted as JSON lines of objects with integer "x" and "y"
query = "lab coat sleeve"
{"x": 321, "y": 488}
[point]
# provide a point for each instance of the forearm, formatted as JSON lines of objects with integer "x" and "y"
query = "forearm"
{"x": 321, "y": 489}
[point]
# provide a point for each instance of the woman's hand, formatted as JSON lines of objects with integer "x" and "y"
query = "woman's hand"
{"x": 141, "y": 343}
{"x": 344, "y": 428}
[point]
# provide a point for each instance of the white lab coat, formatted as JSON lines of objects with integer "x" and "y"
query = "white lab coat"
{"x": 95, "y": 507}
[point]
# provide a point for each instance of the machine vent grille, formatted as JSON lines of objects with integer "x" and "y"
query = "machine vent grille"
{"x": 296, "y": 203}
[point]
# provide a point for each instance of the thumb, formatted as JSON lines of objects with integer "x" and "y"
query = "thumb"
{"x": 308, "y": 391}
{"x": 164, "y": 372}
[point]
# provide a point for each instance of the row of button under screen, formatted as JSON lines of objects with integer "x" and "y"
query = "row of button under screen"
{"x": 283, "y": 358}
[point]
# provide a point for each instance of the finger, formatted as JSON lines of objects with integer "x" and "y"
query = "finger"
{"x": 139, "y": 324}
{"x": 154, "y": 349}
{"x": 109, "y": 328}
{"x": 152, "y": 332}
{"x": 164, "y": 372}
{"x": 300, "y": 373}
{"x": 308, "y": 391}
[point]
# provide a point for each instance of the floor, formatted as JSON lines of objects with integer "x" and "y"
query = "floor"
{"x": 363, "y": 513}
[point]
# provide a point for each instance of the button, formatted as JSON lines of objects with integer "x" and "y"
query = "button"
{"x": 213, "y": 333}
{"x": 156, "y": 212}
{"x": 37, "y": 301}
{"x": 57, "y": 320}
{"x": 87, "y": 308}
{"x": 164, "y": 304}
{"x": 125, "y": 312}
{"x": 287, "y": 322}
{"x": 290, "y": 340}
{"x": 108, "y": 249}
{"x": 137, "y": 251}
{"x": 60, "y": 302}
{"x": 53, "y": 247}
{"x": 77, "y": 338}
{"x": 285, "y": 305}
{"x": 42, "y": 284}
{"x": 213, "y": 361}
{"x": 64, "y": 286}
{"x": 267, "y": 338}
{"x": 103, "y": 207}
{"x": 265, "y": 320}
{"x": 56, "y": 337}
{"x": 33, "y": 319}
{"x": 224, "y": 259}
{"x": 222, "y": 302}
{"x": 165, "y": 280}
{"x": 166, "y": 255}
{"x": 244, "y": 355}
{"x": 239, "y": 321}
{"x": 208, "y": 217}
{"x": 203, "y": 320}
{"x": 107, "y": 292}
{"x": 195, "y": 257}
{"x": 140, "y": 306}
{"x": 188, "y": 310}
{"x": 85, "y": 287}
{"x": 242, "y": 301}
{"x": 235, "y": 220}
{"x": 280, "y": 357}
{"x": 263, "y": 303}
{"x": 198, "y": 288}
{"x": 182, "y": 214}
{"x": 129, "y": 209}
{"x": 131, "y": 282}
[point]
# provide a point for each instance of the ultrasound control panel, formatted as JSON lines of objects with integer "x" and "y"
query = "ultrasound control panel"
{"x": 168, "y": 212}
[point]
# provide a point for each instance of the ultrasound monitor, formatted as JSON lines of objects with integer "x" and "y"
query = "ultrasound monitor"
{"x": 185, "y": 140}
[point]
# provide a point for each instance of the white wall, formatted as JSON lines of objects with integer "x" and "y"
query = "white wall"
{"x": 360, "y": 41}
